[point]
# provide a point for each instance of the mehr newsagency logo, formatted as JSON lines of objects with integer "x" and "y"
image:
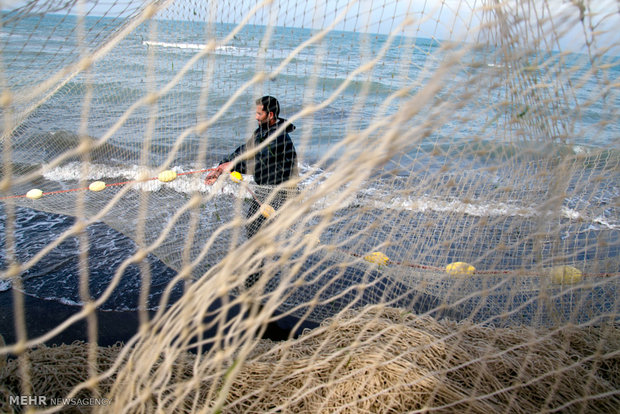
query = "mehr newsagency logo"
{"x": 43, "y": 401}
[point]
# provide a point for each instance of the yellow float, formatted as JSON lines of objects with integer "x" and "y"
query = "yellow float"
{"x": 460, "y": 268}
{"x": 96, "y": 186}
{"x": 34, "y": 194}
{"x": 167, "y": 176}
{"x": 267, "y": 211}
{"x": 566, "y": 275}
{"x": 377, "y": 258}
{"x": 236, "y": 176}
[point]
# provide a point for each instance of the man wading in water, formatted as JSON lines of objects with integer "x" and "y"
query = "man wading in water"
{"x": 272, "y": 165}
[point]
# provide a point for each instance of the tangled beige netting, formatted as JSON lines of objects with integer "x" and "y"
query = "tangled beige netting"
{"x": 477, "y": 166}
{"x": 55, "y": 371}
{"x": 377, "y": 360}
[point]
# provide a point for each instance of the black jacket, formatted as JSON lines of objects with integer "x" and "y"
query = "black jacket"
{"x": 273, "y": 164}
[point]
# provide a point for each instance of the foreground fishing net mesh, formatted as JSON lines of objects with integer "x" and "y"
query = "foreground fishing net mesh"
{"x": 454, "y": 229}
{"x": 376, "y": 360}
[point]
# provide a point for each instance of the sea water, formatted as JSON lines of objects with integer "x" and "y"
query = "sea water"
{"x": 36, "y": 48}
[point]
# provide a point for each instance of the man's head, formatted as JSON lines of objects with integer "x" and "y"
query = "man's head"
{"x": 267, "y": 110}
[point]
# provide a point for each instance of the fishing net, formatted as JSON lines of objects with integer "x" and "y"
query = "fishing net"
{"x": 377, "y": 360}
{"x": 457, "y": 163}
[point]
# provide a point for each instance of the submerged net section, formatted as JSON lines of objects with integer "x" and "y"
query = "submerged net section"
{"x": 452, "y": 234}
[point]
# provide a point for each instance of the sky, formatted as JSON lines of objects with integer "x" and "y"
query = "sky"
{"x": 455, "y": 20}
{"x": 433, "y": 17}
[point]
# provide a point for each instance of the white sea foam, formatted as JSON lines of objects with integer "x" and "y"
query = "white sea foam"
{"x": 471, "y": 207}
{"x": 5, "y": 285}
{"x": 73, "y": 172}
{"x": 229, "y": 50}
{"x": 194, "y": 46}
{"x": 571, "y": 214}
{"x": 192, "y": 183}
{"x": 603, "y": 222}
{"x": 485, "y": 209}
{"x": 66, "y": 301}
{"x": 187, "y": 184}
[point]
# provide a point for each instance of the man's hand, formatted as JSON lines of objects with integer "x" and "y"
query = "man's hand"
{"x": 213, "y": 175}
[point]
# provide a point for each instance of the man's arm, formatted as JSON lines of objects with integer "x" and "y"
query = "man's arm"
{"x": 226, "y": 165}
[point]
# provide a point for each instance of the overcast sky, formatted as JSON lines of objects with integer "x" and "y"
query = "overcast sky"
{"x": 455, "y": 20}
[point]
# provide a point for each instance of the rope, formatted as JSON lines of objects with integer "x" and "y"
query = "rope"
{"x": 267, "y": 211}
{"x": 109, "y": 185}
{"x": 477, "y": 272}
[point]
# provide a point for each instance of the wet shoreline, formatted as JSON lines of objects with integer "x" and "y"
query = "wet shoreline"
{"x": 112, "y": 326}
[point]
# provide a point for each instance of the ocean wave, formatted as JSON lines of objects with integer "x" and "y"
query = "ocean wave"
{"x": 585, "y": 210}
{"x": 187, "y": 182}
{"x": 40, "y": 148}
{"x": 225, "y": 49}
{"x": 487, "y": 209}
{"x": 56, "y": 277}
{"x": 5, "y": 285}
{"x": 479, "y": 203}
{"x": 531, "y": 154}
{"x": 375, "y": 193}
{"x": 479, "y": 209}
{"x": 230, "y": 50}
{"x": 332, "y": 79}
{"x": 66, "y": 301}
{"x": 193, "y": 46}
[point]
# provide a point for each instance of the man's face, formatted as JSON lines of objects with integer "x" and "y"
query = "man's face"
{"x": 262, "y": 117}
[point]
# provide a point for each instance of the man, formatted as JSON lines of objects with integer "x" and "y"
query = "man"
{"x": 275, "y": 163}
{"x": 271, "y": 165}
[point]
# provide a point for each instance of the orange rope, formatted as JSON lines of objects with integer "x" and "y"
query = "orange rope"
{"x": 391, "y": 262}
{"x": 478, "y": 272}
{"x": 107, "y": 185}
